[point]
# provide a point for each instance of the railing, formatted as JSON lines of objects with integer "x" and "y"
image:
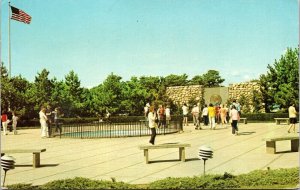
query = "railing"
{"x": 113, "y": 130}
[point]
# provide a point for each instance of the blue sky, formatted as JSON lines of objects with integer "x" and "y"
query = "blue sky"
{"x": 238, "y": 38}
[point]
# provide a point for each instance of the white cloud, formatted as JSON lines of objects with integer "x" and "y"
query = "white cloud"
{"x": 247, "y": 77}
{"x": 235, "y": 73}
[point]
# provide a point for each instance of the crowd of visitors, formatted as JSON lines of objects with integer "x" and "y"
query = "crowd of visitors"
{"x": 212, "y": 115}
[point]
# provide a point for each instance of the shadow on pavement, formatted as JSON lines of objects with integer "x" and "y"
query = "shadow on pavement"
{"x": 174, "y": 160}
{"x": 42, "y": 165}
{"x": 285, "y": 151}
{"x": 246, "y": 133}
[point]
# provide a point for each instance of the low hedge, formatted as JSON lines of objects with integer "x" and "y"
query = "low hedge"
{"x": 269, "y": 177}
{"x": 279, "y": 178}
{"x": 85, "y": 183}
{"x": 225, "y": 181}
{"x": 264, "y": 116}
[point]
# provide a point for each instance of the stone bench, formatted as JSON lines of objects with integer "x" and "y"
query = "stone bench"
{"x": 278, "y": 120}
{"x": 163, "y": 146}
{"x": 35, "y": 152}
{"x": 271, "y": 143}
{"x": 243, "y": 119}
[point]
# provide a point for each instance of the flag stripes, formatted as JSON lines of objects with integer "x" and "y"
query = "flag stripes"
{"x": 19, "y": 15}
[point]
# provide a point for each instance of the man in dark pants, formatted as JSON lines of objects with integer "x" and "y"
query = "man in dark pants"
{"x": 57, "y": 115}
{"x": 9, "y": 118}
{"x": 49, "y": 115}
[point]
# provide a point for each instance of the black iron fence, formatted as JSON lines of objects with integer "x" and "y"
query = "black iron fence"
{"x": 113, "y": 130}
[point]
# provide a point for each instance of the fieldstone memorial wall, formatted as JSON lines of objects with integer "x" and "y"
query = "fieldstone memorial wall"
{"x": 183, "y": 94}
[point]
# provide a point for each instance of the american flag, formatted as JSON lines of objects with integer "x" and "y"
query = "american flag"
{"x": 19, "y": 15}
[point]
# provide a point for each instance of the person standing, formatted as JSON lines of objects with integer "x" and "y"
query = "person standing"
{"x": 218, "y": 114}
{"x": 161, "y": 116}
{"x": 9, "y": 119}
{"x": 223, "y": 115}
{"x": 211, "y": 116}
{"x": 235, "y": 117}
{"x": 49, "y": 115}
{"x": 4, "y": 121}
{"x": 292, "y": 117}
{"x": 168, "y": 115}
{"x": 57, "y": 115}
{"x": 195, "y": 113}
{"x": 43, "y": 121}
{"x": 205, "y": 115}
{"x": 237, "y": 106}
{"x": 146, "y": 110}
{"x": 185, "y": 111}
{"x": 15, "y": 119}
{"x": 151, "y": 119}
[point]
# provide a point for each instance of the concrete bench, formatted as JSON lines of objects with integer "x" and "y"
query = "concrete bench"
{"x": 243, "y": 119}
{"x": 271, "y": 143}
{"x": 163, "y": 146}
{"x": 35, "y": 152}
{"x": 278, "y": 120}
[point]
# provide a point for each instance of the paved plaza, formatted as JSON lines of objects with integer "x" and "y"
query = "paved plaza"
{"x": 120, "y": 158}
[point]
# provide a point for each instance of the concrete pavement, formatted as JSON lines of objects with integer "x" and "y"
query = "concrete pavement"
{"x": 121, "y": 159}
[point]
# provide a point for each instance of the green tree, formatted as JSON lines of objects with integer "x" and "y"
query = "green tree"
{"x": 6, "y": 88}
{"x": 40, "y": 92}
{"x": 134, "y": 96}
{"x": 197, "y": 80}
{"x": 107, "y": 96}
{"x": 152, "y": 84}
{"x": 18, "y": 101}
{"x": 212, "y": 79}
{"x": 244, "y": 102}
{"x": 57, "y": 96}
{"x": 281, "y": 83}
{"x": 73, "y": 96}
{"x": 175, "y": 80}
{"x": 257, "y": 101}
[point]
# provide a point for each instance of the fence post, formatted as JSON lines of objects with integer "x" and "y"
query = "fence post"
{"x": 80, "y": 131}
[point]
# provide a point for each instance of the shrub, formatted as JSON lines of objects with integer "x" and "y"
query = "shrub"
{"x": 270, "y": 177}
{"x": 255, "y": 179}
{"x": 22, "y": 186}
{"x": 85, "y": 183}
{"x": 264, "y": 116}
{"x": 203, "y": 182}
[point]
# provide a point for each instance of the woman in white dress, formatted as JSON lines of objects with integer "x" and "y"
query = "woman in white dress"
{"x": 43, "y": 121}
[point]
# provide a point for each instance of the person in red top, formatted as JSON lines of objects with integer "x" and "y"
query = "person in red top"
{"x": 218, "y": 113}
{"x": 161, "y": 116}
{"x": 4, "y": 121}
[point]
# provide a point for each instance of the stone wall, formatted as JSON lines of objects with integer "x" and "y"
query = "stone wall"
{"x": 182, "y": 94}
{"x": 236, "y": 91}
{"x": 243, "y": 89}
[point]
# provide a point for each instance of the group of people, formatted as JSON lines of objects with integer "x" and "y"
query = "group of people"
{"x": 161, "y": 117}
{"x": 47, "y": 118}
{"x": 8, "y": 117}
{"x": 214, "y": 114}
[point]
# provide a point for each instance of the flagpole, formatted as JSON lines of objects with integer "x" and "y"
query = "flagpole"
{"x": 0, "y": 52}
{"x": 9, "y": 52}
